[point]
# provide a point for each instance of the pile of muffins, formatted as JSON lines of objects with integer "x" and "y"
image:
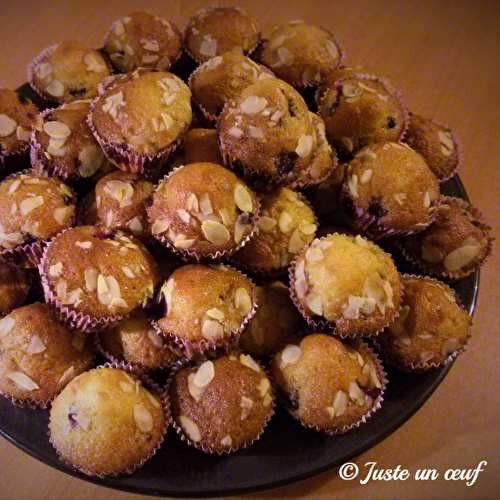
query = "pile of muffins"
{"x": 222, "y": 212}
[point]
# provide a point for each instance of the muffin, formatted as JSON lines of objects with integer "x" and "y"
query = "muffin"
{"x": 275, "y": 320}
{"x": 360, "y": 110}
{"x": 221, "y": 405}
{"x": 40, "y": 355}
{"x": 17, "y": 115}
{"x": 301, "y": 54}
{"x": 107, "y": 422}
{"x": 431, "y": 329}
{"x": 142, "y": 39}
{"x": 63, "y": 145}
{"x": 136, "y": 341}
{"x": 33, "y": 209}
{"x": 346, "y": 284}
{"x": 95, "y": 276}
{"x": 218, "y": 29}
{"x": 14, "y": 287}
{"x": 286, "y": 223}
{"x": 222, "y": 78}
{"x": 205, "y": 307}
{"x": 388, "y": 189}
{"x": 119, "y": 202}
{"x": 203, "y": 210}
{"x": 328, "y": 385}
{"x": 437, "y": 143}
{"x": 139, "y": 121}
{"x": 200, "y": 145}
{"x": 267, "y": 134}
{"x": 66, "y": 72}
{"x": 456, "y": 244}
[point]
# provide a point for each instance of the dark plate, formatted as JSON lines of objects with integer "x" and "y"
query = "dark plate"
{"x": 286, "y": 452}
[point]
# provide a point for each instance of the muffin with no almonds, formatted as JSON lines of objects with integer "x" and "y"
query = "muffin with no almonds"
{"x": 107, "y": 422}
{"x": 328, "y": 385}
{"x": 221, "y": 405}
{"x": 143, "y": 40}
{"x": 40, "y": 355}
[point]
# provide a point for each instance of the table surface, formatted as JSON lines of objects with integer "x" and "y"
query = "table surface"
{"x": 444, "y": 57}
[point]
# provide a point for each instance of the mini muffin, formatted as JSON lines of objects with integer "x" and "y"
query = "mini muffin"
{"x": 324, "y": 160}
{"x": 301, "y": 54}
{"x": 206, "y": 307}
{"x": 222, "y": 78}
{"x": 40, "y": 355}
{"x": 347, "y": 284}
{"x": 14, "y": 287}
{"x": 143, "y": 40}
{"x": 63, "y": 144}
{"x": 388, "y": 189}
{"x": 67, "y": 71}
{"x": 136, "y": 341}
{"x": 139, "y": 121}
{"x": 328, "y": 385}
{"x": 218, "y": 29}
{"x": 33, "y": 209}
{"x": 221, "y": 405}
{"x": 286, "y": 223}
{"x": 95, "y": 276}
{"x": 107, "y": 422}
{"x": 203, "y": 210}
{"x": 17, "y": 115}
{"x": 267, "y": 133}
{"x": 437, "y": 144}
{"x": 119, "y": 201}
{"x": 360, "y": 110}
{"x": 456, "y": 244}
{"x": 431, "y": 329}
{"x": 201, "y": 145}
{"x": 275, "y": 320}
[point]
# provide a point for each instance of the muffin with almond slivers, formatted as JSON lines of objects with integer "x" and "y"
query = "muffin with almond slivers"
{"x": 40, "y": 355}
{"x": 346, "y": 285}
{"x": 221, "y": 405}
{"x": 107, "y": 421}
{"x": 96, "y": 276}
{"x": 143, "y": 40}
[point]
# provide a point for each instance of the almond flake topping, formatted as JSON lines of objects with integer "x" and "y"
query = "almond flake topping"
{"x": 55, "y": 88}
{"x": 266, "y": 224}
{"x": 243, "y": 301}
{"x": 208, "y": 46}
{"x": 66, "y": 377}
{"x": 150, "y": 45}
{"x": 212, "y": 329}
{"x": 55, "y": 270}
{"x": 7, "y": 125}
{"x": 23, "y": 381}
{"x": 62, "y": 214}
{"x": 461, "y": 257}
{"x": 113, "y": 102}
{"x": 242, "y": 198}
{"x": 143, "y": 418}
{"x": 36, "y": 345}
{"x": 304, "y": 145}
{"x": 6, "y": 325}
{"x": 190, "y": 428}
{"x": 246, "y": 405}
{"x": 22, "y": 134}
{"x": 247, "y": 360}
{"x": 339, "y": 405}
{"x": 215, "y": 232}
{"x": 93, "y": 64}
{"x": 253, "y": 105}
{"x": 30, "y": 204}
{"x": 356, "y": 394}
{"x": 290, "y": 355}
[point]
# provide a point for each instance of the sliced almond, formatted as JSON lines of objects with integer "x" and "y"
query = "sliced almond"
{"x": 242, "y": 198}
{"x": 290, "y": 355}
{"x": 212, "y": 329}
{"x": 6, "y": 325}
{"x": 143, "y": 418}
{"x": 190, "y": 428}
{"x": 36, "y": 345}
{"x": 57, "y": 130}
{"x": 243, "y": 301}
{"x": 460, "y": 257}
{"x": 23, "y": 381}
{"x": 29, "y": 204}
{"x": 215, "y": 232}
{"x": 204, "y": 374}
{"x": 7, "y": 125}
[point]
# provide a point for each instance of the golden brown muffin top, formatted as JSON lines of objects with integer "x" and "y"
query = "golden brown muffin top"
{"x": 224, "y": 404}
{"x": 301, "y": 54}
{"x": 430, "y": 326}
{"x": 40, "y": 354}
{"x": 33, "y": 207}
{"x": 99, "y": 272}
{"x": 142, "y": 39}
{"x": 106, "y": 421}
{"x": 219, "y": 29}
{"x": 349, "y": 281}
{"x": 67, "y": 71}
{"x": 325, "y": 383}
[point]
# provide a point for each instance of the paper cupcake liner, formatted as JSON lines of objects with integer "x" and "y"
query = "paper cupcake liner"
{"x": 321, "y": 324}
{"x": 193, "y": 255}
{"x": 11, "y": 161}
{"x": 31, "y": 404}
{"x": 151, "y": 386}
{"x": 205, "y": 10}
{"x": 399, "y": 362}
{"x": 443, "y": 274}
{"x": 186, "y": 364}
{"x": 44, "y": 54}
